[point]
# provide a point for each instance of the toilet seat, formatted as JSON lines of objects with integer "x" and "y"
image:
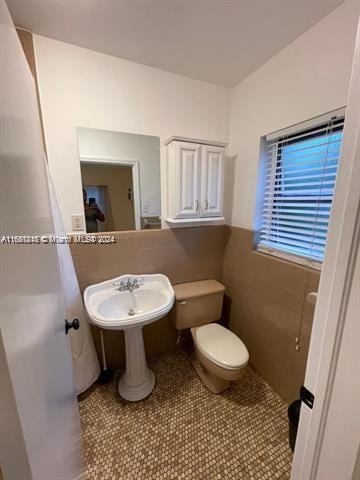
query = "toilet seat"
{"x": 221, "y": 346}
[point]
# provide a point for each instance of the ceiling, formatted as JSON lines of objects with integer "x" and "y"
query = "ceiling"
{"x": 218, "y": 41}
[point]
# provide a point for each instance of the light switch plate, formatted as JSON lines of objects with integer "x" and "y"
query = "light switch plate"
{"x": 145, "y": 207}
{"x": 77, "y": 223}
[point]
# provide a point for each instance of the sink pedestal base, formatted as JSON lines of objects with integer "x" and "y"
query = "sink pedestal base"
{"x": 138, "y": 380}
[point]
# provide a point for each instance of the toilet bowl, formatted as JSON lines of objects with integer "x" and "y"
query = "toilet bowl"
{"x": 219, "y": 355}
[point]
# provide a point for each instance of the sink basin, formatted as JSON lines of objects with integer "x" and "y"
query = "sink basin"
{"x": 128, "y": 303}
{"x": 110, "y": 308}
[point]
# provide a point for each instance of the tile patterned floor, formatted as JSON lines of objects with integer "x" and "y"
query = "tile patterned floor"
{"x": 182, "y": 431}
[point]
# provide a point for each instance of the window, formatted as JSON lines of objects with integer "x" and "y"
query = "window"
{"x": 300, "y": 174}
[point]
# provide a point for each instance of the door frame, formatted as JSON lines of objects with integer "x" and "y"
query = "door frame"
{"x": 134, "y": 164}
{"x": 333, "y": 298}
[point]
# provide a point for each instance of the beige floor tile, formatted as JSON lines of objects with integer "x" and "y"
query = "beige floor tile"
{"x": 182, "y": 431}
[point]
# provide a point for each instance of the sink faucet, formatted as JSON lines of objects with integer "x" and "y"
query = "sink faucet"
{"x": 130, "y": 285}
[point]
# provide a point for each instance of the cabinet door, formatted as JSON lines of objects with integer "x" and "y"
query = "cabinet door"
{"x": 212, "y": 181}
{"x": 187, "y": 179}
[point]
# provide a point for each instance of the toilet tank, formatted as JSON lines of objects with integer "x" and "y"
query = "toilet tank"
{"x": 197, "y": 303}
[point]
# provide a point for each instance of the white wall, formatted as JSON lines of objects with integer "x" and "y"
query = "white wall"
{"x": 79, "y": 87}
{"x": 308, "y": 78}
{"x": 145, "y": 149}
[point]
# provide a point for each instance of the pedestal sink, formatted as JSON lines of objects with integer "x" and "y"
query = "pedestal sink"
{"x": 128, "y": 303}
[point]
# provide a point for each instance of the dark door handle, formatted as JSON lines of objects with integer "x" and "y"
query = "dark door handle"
{"x": 75, "y": 324}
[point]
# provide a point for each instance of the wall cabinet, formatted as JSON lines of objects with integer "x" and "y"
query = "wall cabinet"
{"x": 195, "y": 182}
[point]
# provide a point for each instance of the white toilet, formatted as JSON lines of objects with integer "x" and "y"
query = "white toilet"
{"x": 220, "y": 356}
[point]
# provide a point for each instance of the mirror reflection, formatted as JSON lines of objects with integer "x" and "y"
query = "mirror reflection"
{"x": 120, "y": 175}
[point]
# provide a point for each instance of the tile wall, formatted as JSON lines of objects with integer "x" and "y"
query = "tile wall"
{"x": 265, "y": 296}
{"x": 184, "y": 255}
{"x": 266, "y": 303}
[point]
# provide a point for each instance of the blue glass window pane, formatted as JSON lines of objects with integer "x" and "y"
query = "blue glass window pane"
{"x": 303, "y": 191}
{"x": 317, "y": 156}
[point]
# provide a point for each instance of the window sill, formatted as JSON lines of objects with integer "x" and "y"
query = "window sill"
{"x": 305, "y": 262}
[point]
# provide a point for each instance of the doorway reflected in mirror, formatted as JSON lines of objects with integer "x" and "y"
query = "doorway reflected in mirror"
{"x": 109, "y": 206}
{"x": 120, "y": 175}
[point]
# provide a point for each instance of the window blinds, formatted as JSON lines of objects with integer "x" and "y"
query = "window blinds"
{"x": 300, "y": 176}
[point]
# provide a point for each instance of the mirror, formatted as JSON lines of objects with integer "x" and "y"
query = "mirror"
{"x": 120, "y": 174}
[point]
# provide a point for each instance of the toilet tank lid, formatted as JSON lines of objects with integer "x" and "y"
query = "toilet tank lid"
{"x": 185, "y": 291}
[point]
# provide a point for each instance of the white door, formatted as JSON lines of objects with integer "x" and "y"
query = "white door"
{"x": 212, "y": 181}
{"x": 328, "y": 441}
{"x": 187, "y": 179}
{"x": 40, "y": 435}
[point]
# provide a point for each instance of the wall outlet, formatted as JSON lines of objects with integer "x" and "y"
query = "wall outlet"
{"x": 77, "y": 223}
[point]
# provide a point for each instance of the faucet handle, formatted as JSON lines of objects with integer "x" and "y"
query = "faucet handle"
{"x": 138, "y": 282}
{"x": 119, "y": 284}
